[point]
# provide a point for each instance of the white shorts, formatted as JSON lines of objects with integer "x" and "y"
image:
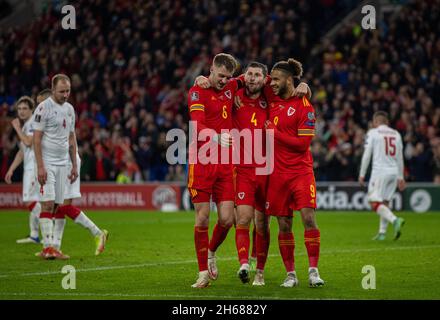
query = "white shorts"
{"x": 53, "y": 190}
{"x": 31, "y": 187}
{"x": 382, "y": 188}
{"x": 72, "y": 190}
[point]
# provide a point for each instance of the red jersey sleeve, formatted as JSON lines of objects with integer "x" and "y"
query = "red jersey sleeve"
{"x": 306, "y": 123}
{"x": 196, "y": 107}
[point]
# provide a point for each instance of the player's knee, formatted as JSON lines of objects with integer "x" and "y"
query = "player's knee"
{"x": 309, "y": 222}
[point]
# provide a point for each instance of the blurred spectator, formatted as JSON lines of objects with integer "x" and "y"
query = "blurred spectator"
{"x": 131, "y": 69}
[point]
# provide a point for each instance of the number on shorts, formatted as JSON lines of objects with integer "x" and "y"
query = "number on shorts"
{"x": 312, "y": 191}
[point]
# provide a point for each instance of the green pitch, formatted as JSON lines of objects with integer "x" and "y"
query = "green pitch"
{"x": 151, "y": 255}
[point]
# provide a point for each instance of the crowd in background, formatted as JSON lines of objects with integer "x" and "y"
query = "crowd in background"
{"x": 132, "y": 63}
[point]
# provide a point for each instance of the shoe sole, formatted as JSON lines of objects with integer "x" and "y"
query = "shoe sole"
{"x": 201, "y": 287}
{"x": 399, "y": 233}
{"x": 316, "y": 285}
{"x": 258, "y": 284}
{"x": 244, "y": 276}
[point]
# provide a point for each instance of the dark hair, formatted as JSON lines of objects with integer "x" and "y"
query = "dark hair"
{"x": 59, "y": 77}
{"x": 26, "y": 100}
{"x": 44, "y": 93}
{"x": 226, "y": 60}
{"x": 381, "y": 114}
{"x": 254, "y": 64}
{"x": 291, "y": 66}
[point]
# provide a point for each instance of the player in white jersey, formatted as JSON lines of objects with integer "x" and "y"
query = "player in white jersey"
{"x": 72, "y": 191}
{"x": 384, "y": 145}
{"x": 54, "y": 142}
{"x": 24, "y": 107}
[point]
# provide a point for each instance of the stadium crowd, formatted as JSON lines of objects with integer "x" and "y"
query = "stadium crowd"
{"x": 131, "y": 66}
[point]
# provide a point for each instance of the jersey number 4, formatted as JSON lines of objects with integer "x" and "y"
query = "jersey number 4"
{"x": 390, "y": 146}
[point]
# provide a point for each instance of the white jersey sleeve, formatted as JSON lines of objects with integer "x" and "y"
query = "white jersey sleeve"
{"x": 28, "y": 152}
{"x": 368, "y": 151}
{"x": 399, "y": 157}
{"x": 40, "y": 116}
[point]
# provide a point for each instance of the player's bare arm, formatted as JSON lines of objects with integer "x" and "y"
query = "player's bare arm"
{"x": 41, "y": 170}
{"x": 27, "y": 140}
{"x": 14, "y": 165}
{"x": 72, "y": 153}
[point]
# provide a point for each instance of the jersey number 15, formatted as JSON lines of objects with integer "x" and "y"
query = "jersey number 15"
{"x": 390, "y": 146}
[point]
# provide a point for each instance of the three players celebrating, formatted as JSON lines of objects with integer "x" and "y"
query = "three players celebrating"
{"x": 289, "y": 118}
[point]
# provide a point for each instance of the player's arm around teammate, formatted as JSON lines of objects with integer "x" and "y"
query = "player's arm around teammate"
{"x": 292, "y": 184}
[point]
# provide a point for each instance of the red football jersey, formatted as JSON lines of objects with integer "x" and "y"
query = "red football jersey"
{"x": 211, "y": 108}
{"x": 294, "y": 119}
{"x": 250, "y": 116}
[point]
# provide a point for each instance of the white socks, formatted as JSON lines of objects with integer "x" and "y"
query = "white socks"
{"x": 46, "y": 227}
{"x": 58, "y": 230}
{"x": 34, "y": 219}
{"x": 386, "y": 213}
{"x": 383, "y": 225}
{"x": 84, "y": 221}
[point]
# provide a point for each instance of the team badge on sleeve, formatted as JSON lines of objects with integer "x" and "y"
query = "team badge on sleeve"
{"x": 311, "y": 116}
{"x": 195, "y": 96}
{"x": 37, "y": 118}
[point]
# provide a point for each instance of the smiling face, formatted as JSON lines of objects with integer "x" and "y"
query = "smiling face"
{"x": 254, "y": 79}
{"x": 219, "y": 76}
{"x": 280, "y": 81}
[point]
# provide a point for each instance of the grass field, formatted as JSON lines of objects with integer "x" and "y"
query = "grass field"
{"x": 151, "y": 255}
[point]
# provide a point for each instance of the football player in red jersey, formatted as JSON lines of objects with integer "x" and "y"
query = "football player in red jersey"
{"x": 211, "y": 110}
{"x": 250, "y": 188}
{"x": 292, "y": 185}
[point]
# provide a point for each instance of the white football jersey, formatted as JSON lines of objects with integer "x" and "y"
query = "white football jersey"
{"x": 384, "y": 144}
{"x": 29, "y": 156}
{"x": 56, "y": 122}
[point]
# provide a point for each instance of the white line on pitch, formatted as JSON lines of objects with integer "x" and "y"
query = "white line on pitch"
{"x": 129, "y": 295}
{"x": 157, "y": 264}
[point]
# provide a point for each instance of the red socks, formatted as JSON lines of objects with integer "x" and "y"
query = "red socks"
{"x": 262, "y": 244}
{"x": 242, "y": 243}
{"x": 312, "y": 239}
{"x": 286, "y": 244}
{"x": 218, "y": 236}
{"x": 254, "y": 242}
{"x": 71, "y": 211}
{"x": 201, "y": 240}
{"x": 32, "y": 205}
{"x": 46, "y": 215}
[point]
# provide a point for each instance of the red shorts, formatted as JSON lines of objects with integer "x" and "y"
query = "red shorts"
{"x": 288, "y": 192}
{"x": 250, "y": 189}
{"x": 209, "y": 179}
